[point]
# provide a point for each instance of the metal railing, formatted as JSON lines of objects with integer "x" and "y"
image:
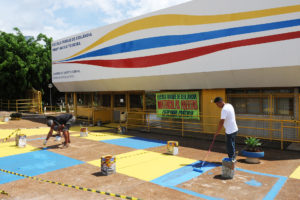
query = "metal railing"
{"x": 21, "y": 105}
{"x": 54, "y": 109}
{"x": 184, "y": 125}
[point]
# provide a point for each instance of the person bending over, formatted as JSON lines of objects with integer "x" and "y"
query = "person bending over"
{"x": 61, "y": 123}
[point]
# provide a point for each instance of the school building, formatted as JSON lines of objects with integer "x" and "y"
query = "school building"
{"x": 161, "y": 71}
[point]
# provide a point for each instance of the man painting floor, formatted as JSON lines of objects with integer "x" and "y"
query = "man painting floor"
{"x": 228, "y": 121}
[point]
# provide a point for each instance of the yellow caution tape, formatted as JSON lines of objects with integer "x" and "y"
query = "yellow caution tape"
{"x": 3, "y": 192}
{"x": 71, "y": 186}
{"x": 96, "y": 134}
{"x": 13, "y": 133}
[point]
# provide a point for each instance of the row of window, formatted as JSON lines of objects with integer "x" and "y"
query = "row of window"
{"x": 281, "y": 106}
{"x": 104, "y": 100}
{"x": 252, "y": 101}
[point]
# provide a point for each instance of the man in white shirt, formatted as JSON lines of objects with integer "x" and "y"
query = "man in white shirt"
{"x": 228, "y": 121}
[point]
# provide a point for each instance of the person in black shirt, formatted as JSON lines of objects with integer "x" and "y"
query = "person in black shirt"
{"x": 61, "y": 123}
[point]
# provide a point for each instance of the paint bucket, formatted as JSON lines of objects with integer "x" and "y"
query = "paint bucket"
{"x": 172, "y": 147}
{"x": 228, "y": 168}
{"x": 20, "y": 140}
{"x": 84, "y": 132}
{"x": 57, "y": 138}
{"x": 121, "y": 129}
{"x": 6, "y": 119}
{"x": 108, "y": 165}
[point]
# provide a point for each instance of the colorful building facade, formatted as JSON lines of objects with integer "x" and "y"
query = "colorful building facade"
{"x": 244, "y": 51}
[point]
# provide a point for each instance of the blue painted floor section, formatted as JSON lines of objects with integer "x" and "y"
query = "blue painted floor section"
{"x": 185, "y": 174}
{"x": 254, "y": 183}
{"x": 276, "y": 187}
{"x": 42, "y": 138}
{"x": 33, "y": 163}
{"x": 136, "y": 142}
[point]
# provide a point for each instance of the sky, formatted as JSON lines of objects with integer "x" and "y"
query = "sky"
{"x": 62, "y": 18}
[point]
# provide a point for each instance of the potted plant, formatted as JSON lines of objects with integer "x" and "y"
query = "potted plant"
{"x": 253, "y": 150}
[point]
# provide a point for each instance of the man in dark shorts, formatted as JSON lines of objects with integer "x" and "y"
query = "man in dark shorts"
{"x": 61, "y": 123}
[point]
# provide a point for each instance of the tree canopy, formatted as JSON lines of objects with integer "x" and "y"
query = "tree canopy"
{"x": 25, "y": 63}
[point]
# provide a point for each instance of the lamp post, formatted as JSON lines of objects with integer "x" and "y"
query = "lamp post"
{"x": 50, "y": 86}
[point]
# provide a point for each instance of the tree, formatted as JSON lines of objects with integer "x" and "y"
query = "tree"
{"x": 25, "y": 63}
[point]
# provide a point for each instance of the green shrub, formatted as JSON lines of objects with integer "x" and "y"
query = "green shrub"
{"x": 253, "y": 144}
{"x": 15, "y": 115}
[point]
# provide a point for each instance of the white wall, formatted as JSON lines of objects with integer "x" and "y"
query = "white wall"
{"x": 270, "y": 64}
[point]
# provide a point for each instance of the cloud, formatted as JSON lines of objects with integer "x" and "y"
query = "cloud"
{"x": 117, "y": 10}
{"x": 62, "y": 18}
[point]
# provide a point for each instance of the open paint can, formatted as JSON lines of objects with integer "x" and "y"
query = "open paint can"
{"x": 228, "y": 168}
{"x": 20, "y": 140}
{"x": 172, "y": 147}
{"x": 84, "y": 132}
{"x": 108, "y": 165}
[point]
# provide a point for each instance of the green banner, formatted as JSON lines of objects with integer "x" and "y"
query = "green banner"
{"x": 178, "y": 104}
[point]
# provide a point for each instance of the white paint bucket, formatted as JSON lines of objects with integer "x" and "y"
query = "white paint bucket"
{"x": 57, "y": 138}
{"x": 84, "y": 132}
{"x": 172, "y": 147}
{"x": 6, "y": 119}
{"x": 21, "y": 140}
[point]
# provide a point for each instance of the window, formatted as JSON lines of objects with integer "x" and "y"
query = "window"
{"x": 97, "y": 99}
{"x": 84, "y": 99}
{"x": 274, "y": 91}
{"x": 136, "y": 101}
{"x": 254, "y": 106}
{"x": 283, "y": 106}
{"x": 106, "y": 100}
{"x": 120, "y": 100}
{"x": 70, "y": 98}
{"x": 239, "y": 105}
{"x": 265, "y": 106}
{"x": 150, "y": 101}
{"x": 277, "y": 101}
{"x": 250, "y": 105}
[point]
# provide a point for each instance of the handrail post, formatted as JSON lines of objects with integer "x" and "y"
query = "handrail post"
{"x": 17, "y": 105}
{"x": 281, "y": 136}
{"x": 126, "y": 124}
{"x": 298, "y": 128}
{"x": 182, "y": 126}
{"x": 8, "y": 105}
{"x": 148, "y": 121}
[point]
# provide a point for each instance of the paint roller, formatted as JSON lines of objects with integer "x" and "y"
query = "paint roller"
{"x": 206, "y": 155}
